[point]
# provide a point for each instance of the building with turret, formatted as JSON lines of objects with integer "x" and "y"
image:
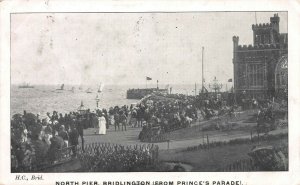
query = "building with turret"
{"x": 260, "y": 69}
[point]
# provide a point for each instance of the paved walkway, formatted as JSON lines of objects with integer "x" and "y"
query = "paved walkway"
{"x": 130, "y": 137}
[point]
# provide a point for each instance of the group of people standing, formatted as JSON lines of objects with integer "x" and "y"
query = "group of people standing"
{"x": 44, "y": 135}
{"x": 167, "y": 114}
{"x": 36, "y": 139}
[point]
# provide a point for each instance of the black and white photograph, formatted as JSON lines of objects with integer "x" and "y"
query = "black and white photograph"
{"x": 195, "y": 91}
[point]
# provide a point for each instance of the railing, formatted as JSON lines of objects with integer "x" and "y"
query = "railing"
{"x": 251, "y": 140}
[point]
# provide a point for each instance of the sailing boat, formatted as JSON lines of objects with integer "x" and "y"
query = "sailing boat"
{"x": 61, "y": 87}
{"x": 89, "y": 90}
{"x": 100, "y": 87}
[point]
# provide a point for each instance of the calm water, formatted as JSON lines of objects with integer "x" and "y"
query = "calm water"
{"x": 42, "y": 99}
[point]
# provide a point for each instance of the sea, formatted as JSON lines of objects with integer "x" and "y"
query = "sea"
{"x": 46, "y": 98}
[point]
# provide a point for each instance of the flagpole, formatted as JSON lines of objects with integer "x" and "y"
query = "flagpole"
{"x": 255, "y": 18}
{"x": 202, "y": 70}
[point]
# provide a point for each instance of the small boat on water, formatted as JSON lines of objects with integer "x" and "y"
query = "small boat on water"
{"x": 26, "y": 85}
{"x": 73, "y": 89}
{"x": 89, "y": 90}
{"x": 61, "y": 87}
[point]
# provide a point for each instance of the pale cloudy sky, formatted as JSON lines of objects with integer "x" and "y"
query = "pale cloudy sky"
{"x": 123, "y": 48}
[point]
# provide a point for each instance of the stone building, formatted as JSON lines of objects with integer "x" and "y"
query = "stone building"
{"x": 260, "y": 70}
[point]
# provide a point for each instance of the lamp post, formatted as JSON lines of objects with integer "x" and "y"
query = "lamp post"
{"x": 215, "y": 86}
{"x": 97, "y": 101}
{"x": 81, "y": 108}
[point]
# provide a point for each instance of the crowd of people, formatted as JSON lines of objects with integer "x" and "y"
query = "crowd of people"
{"x": 36, "y": 140}
{"x": 179, "y": 111}
{"x": 160, "y": 116}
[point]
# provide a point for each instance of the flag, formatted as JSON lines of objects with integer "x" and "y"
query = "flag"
{"x": 230, "y": 80}
{"x": 148, "y": 78}
{"x": 204, "y": 90}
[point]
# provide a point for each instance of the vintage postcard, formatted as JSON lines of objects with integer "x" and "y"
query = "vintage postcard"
{"x": 164, "y": 92}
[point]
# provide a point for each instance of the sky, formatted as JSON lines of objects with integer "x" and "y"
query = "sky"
{"x": 124, "y": 48}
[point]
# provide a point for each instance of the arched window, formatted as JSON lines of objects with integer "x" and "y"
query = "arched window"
{"x": 281, "y": 74}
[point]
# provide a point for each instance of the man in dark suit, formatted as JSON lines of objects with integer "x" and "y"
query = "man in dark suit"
{"x": 73, "y": 138}
{"x": 57, "y": 144}
{"x": 117, "y": 121}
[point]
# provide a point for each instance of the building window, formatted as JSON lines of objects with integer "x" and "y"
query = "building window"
{"x": 255, "y": 75}
{"x": 282, "y": 73}
{"x": 258, "y": 39}
{"x": 241, "y": 75}
{"x": 267, "y": 39}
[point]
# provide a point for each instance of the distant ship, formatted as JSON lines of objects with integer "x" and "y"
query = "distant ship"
{"x": 89, "y": 90}
{"x": 26, "y": 86}
{"x": 61, "y": 87}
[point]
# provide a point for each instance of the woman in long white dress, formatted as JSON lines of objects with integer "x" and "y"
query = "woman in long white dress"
{"x": 102, "y": 125}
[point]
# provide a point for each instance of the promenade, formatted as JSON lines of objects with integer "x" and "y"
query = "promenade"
{"x": 130, "y": 137}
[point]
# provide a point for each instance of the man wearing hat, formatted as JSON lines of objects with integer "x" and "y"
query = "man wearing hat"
{"x": 64, "y": 135}
{"x": 57, "y": 143}
{"x": 117, "y": 121}
{"x": 79, "y": 128}
{"x": 40, "y": 147}
{"x": 73, "y": 138}
{"x": 123, "y": 119}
